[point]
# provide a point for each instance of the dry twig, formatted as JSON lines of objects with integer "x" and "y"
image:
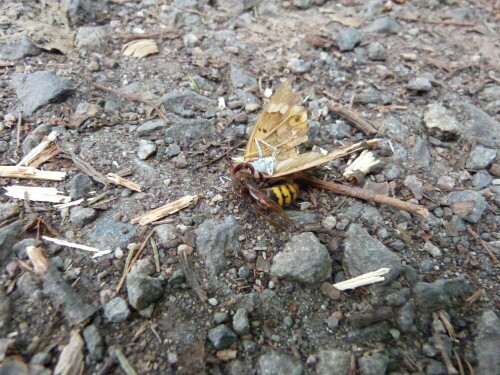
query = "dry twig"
{"x": 97, "y": 252}
{"x": 186, "y": 263}
{"x": 114, "y": 178}
{"x": 438, "y": 342}
{"x": 483, "y": 244}
{"x": 352, "y": 117}
{"x": 38, "y": 149}
{"x": 361, "y": 280}
{"x": 165, "y": 210}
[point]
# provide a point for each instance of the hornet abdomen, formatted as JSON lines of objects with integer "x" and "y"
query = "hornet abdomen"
{"x": 283, "y": 194}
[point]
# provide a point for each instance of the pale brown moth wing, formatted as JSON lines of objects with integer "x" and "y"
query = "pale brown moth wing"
{"x": 308, "y": 160}
{"x": 281, "y": 126}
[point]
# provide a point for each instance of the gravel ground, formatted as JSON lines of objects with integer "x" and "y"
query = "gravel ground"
{"x": 215, "y": 288}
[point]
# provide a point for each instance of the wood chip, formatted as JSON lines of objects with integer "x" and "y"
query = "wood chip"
{"x": 360, "y": 167}
{"x": 30, "y": 173}
{"x": 115, "y": 179}
{"x": 71, "y": 360}
{"x": 38, "y": 258}
{"x": 38, "y": 149}
{"x": 140, "y": 48}
{"x": 361, "y": 280}
{"x": 165, "y": 210}
{"x": 37, "y": 194}
{"x": 97, "y": 252}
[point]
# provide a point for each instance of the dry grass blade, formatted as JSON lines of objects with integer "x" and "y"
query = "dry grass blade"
{"x": 38, "y": 149}
{"x": 447, "y": 325}
{"x": 186, "y": 263}
{"x": 30, "y": 173}
{"x": 88, "y": 169}
{"x": 115, "y": 179}
{"x": 346, "y": 21}
{"x": 438, "y": 342}
{"x": 71, "y": 360}
{"x": 140, "y": 48}
{"x": 365, "y": 279}
{"x": 475, "y": 296}
{"x": 38, "y": 194}
{"x": 459, "y": 363}
{"x": 165, "y": 210}
{"x": 38, "y": 258}
{"x": 124, "y": 363}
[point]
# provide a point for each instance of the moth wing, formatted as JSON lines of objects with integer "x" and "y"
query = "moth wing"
{"x": 281, "y": 126}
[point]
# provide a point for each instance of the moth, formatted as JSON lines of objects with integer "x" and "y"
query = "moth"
{"x": 272, "y": 171}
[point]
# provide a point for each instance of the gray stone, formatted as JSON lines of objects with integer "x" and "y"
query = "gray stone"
{"x": 421, "y": 84}
{"x": 302, "y": 218}
{"x": 241, "y": 79}
{"x": 4, "y": 311}
{"x": 275, "y": 363}
{"x": 221, "y": 337}
{"x": 439, "y": 294}
{"x": 221, "y": 317}
{"x": 405, "y": 317}
{"x": 487, "y": 343}
{"x": 480, "y": 158}
{"x": 166, "y": 232}
{"x": 297, "y": 65}
{"x": 481, "y": 179}
{"x": 433, "y": 250}
{"x": 116, "y": 310}
{"x": 376, "y": 364}
{"x": 332, "y": 322}
{"x": 94, "y": 343}
{"x": 183, "y": 102}
{"x": 173, "y": 150}
{"x": 79, "y": 11}
{"x": 441, "y": 123}
{"x": 79, "y": 185}
{"x": 371, "y": 215}
{"x": 304, "y": 259}
{"x": 384, "y": 25}
{"x": 412, "y": 183}
{"x": 333, "y": 362}
{"x": 21, "y": 248}
{"x": 151, "y": 126}
{"x": 35, "y": 137}
{"x": 214, "y": 239}
{"x": 112, "y": 234}
{"x": 146, "y": 149}
{"x": 8, "y": 210}
{"x": 479, "y": 125}
{"x": 302, "y": 4}
{"x": 81, "y": 216}
{"x": 191, "y": 129}
{"x": 348, "y": 39}
{"x": 363, "y": 253}
{"x": 339, "y": 129}
{"x": 38, "y": 89}
{"x": 241, "y": 324}
{"x": 435, "y": 368}
{"x": 491, "y": 93}
{"x": 142, "y": 290}
{"x": 467, "y": 204}
{"x": 8, "y": 237}
{"x": 180, "y": 161}
{"x": 18, "y": 48}
{"x": 377, "y": 52}
{"x": 92, "y": 38}
{"x": 368, "y": 96}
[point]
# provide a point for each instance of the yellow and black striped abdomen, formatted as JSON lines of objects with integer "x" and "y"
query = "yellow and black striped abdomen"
{"x": 283, "y": 194}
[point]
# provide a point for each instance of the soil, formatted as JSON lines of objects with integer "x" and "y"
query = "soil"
{"x": 236, "y": 50}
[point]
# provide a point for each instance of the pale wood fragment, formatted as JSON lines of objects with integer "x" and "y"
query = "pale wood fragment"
{"x": 97, "y": 252}
{"x": 114, "y": 178}
{"x": 71, "y": 359}
{"x": 38, "y": 258}
{"x": 361, "y": 280}
{"x": 165, "y": 210}
{"x": 38, "y": 149}
{"x": 14, "y": 171}
{"x": 38, "y": 194}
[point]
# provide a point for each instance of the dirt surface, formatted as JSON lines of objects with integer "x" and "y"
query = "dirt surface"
{"x": 425, "y": 73}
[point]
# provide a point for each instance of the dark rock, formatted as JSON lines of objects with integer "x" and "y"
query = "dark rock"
{"x": 406, "y": 316}
{"x": 184, "y": 101}
{"x": 4, "y": 312}
{"x": 367, "y": 318}
{"x": 363, "y": 254}
{"x": 221, "y": 337}
{"x": 116, "y": 310}
{"x": 339, "y": 129}
{"x": 81, "y": 216}
{"x": 441, "y": 123}
{"x": 241, "y": 324}
{"x": 166, "y": 232}
{"x": 142, "y": 290}
{"x": 439, "y": 294}
{"x": 79, "y": 185}
{"x": 467, "y": 204}
{"x": 214, "y": 239}
{"x": 481, "y": 179}
{"x": 375, "y": 332}
{"x": 279, "y": 364}
{"x": 377, "y": 52}
{"x": 481, "y": 158}
{"x": 304, "y": 259}
{"x": 420, "y": 84}
{"x": 151, "y": 126}
{"x": 297, "y": 65}
{"x": 333, "y": 362}
{"x": 112, "y": 234}
{"x": 173, "y": 150}
{"x": 94, "y": 343}
{"x": 348, "y": 39}
{"x": 479, "y": 125}
{"x": 18, "y": 48}
{"x": 8, "y": 210}
{"x": 38, "y": 89}
{"x": 435, "y": 368}
{"x": 62, "y": 295}
{"x": 375, "y": 364}
{"x": 241, "y": 79}
{"x": 8, "y": 237}
{"x": 191, "y": 129}
{"x": 486, "y": 344}
{"x": 384, "y": 25}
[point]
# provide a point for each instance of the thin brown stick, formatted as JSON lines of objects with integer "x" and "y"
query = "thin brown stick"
{"x": 133, "y": 98}
{"x": 88, "y": 169}
{"x": 459, "y": 363}
{"x": 18, "y": 130}
{"x": 367, "y": 195}
{"x": 352, "y": 117}
{"x": 437, "y": 22}
{"x": 382, "y": 107}
{"x": 189, "y": 272}
{"x": 483, "y": 244}
{"x": 438, "y": 342}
